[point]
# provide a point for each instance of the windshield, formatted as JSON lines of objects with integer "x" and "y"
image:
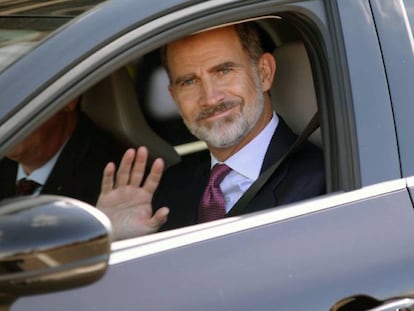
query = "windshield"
{"x": 23, "y": 24}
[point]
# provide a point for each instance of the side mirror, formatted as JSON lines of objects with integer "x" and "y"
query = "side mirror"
{"x": 50, "y": 243}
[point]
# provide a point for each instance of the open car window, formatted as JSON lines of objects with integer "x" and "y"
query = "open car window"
{"x": 131, "y": 101}
{"x": 136, "y": 107}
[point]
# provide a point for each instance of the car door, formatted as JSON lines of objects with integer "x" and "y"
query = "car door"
{"x": 305, "y": 256}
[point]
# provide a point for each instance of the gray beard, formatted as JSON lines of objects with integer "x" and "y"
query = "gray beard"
{"x": 230, "y": 130}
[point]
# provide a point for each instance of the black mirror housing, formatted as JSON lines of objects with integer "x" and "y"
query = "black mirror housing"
{"x": 50, "y": 243}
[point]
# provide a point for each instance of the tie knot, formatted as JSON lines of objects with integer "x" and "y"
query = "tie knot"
{"x": 218, "y": 173}
{"x": 26, "y": 186}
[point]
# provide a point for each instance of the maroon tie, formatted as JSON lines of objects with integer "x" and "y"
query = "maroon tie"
{"x": 26, "y": 187}
{"x": 212, "y": 205}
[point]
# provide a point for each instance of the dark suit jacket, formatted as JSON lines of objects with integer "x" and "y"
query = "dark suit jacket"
{"x": 78, "y": 170}
{"x": 300, "y": 177}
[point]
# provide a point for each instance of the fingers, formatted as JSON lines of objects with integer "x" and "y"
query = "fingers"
{"x": 153, "y": 178}
{"x": 123, "y": 174}
{"x": 131, "y": 171}
{"x": 160, "y": 217}
{"x": 132, "y": 168}
{"x": 108, "y": 178}
{"x": 139, "y": 166}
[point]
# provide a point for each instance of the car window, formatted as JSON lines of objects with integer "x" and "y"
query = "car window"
{"x": 134, "y": 105}
{"x": 283, "y": 40}
{"x": 23, "y": 26}
{"x": 131, "y": 98}
{"x": 19, "y": 35}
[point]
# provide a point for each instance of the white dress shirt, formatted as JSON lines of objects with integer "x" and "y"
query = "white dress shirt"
{"x": 246, "y": 164}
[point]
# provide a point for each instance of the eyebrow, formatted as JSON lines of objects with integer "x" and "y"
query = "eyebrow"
{"x": 185, "y": 77}
{"x": 223, "y": 65}
{"x": 189, "y": 76}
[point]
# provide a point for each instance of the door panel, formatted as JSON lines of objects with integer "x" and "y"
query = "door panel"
{"x": 370, "y": 97}
{"x": 306, "y": 262}
{"x": 397, "y": 46}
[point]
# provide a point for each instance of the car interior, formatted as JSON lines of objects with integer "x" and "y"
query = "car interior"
{"x": 136, "y": 106}
{"x": 120, "y": 114}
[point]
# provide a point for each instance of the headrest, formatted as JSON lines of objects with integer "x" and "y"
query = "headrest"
{"x": 293, "y": 92}
{"x": 112, "y": 104}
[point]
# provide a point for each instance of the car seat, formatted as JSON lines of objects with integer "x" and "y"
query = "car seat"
{"x": 293, "y": 92}
{"x": 112, "y": 104}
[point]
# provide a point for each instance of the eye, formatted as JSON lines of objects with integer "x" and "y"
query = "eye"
{"x": 187, "y": 82}
{"x": 224, "y": 70}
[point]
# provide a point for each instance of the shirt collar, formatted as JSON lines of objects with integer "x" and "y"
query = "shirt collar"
{"x": 41, "y": 174}
{"x": 248, "y": 160}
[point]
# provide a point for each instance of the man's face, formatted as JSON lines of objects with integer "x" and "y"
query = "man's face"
{"x": 30, "y": 149}
{"x": 37, "y": 148}
{"x": 216, "y": 86}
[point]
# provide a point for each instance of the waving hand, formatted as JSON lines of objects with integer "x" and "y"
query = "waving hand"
{"x": 126, "y": 195}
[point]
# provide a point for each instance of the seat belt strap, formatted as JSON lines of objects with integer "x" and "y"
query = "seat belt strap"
{"x": 239, "y": 207}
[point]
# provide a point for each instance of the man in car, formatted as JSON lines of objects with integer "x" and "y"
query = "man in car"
{"x": 64, "y": 156}
{"x": 220, "y": 80}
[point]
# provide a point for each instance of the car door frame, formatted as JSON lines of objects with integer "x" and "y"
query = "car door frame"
{"x": 349, "y": 163}
{"x": 395, "y": 30}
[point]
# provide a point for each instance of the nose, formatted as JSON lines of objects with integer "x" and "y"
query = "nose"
{"x": 211, "y": 92}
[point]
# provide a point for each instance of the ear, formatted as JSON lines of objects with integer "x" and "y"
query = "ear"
{"x": 171, "y": 90}
{"x": 267, "y": 69}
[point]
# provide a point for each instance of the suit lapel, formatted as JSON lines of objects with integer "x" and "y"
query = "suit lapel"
{"x": 192, "y": 174}
{"x": 57, "y": 182}
{"x": 61, "y": 180}
{"x": 281, "y": 140}
{"x": 199, "y": 183}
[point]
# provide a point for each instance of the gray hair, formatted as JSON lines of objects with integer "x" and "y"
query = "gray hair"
{"x": 250, "y": 38}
